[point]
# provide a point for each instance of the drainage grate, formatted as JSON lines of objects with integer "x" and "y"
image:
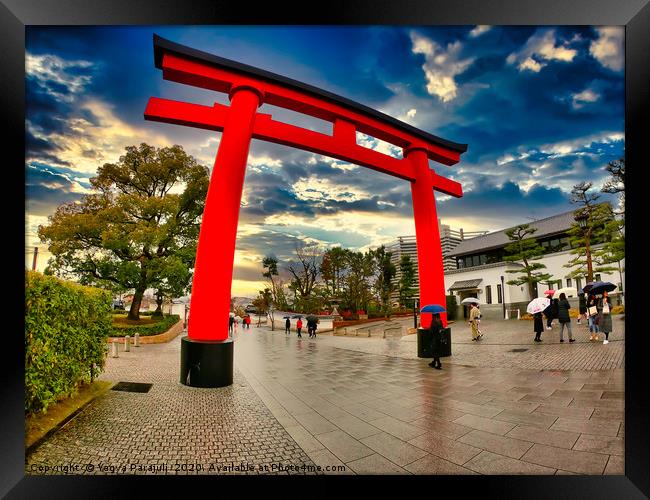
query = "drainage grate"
{"x": 518, "y": 350}
{"x": 131, "y": 387}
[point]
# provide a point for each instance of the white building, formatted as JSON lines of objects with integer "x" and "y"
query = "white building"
{"x": 481, "y": 272}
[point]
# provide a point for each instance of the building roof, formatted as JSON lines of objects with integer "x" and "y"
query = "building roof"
{"x": 545, "y": 227}
{"x": 464, "y": 285}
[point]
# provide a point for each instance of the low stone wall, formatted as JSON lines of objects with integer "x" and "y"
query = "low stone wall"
{"x": 161, "y": 338}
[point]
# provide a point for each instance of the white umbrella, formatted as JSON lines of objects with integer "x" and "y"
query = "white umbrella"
{"x": 538, "y": 305}
{"x": 238, "y": 318}
{"x": 568, "y": 291}
{"x": 471, "y": 300}
{"x": 232, "y": 315}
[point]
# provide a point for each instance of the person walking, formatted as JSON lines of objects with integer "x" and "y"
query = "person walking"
{"x": 538, "y": 326}
{"x": 436, "y": 336}
{"x": 592, "y": 310}
{"x": 474, "y": 313}
{"x": 310, "y": 326}
{"x": 605, "y": 316}
{"x": 287, "y": 326}
{"x": 582, "y": 307}
{"x": 551, "y": 313}
{"x": 564, "y": 318}
{"x": 299, "y": 327}
{"x": 314, "y": 326}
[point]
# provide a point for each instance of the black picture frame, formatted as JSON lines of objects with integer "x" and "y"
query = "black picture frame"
{"x": 633, "y": 14}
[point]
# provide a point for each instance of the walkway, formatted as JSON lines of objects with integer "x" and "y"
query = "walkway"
{"x": 326, "y": 403}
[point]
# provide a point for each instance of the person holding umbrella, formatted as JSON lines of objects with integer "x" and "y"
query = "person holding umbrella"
{"x": 474, "y": 314}
{"x": 592, "y": 308}
{"x": 535, "y": 307}
{"x": 605, "y": 316}
{"x": 551, "y": 313}
{"x": 436, "y": 335}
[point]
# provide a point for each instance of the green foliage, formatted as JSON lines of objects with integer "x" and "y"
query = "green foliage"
{"x": 406, "y": 289}
{"x": 452, "y": 305}
{"x": 385, "y": 271}
{"x": 169, "y": 320}
{"x": 66, "y": 329}
{"x": 525, "y": 249}
{"x": 132, "y": 233}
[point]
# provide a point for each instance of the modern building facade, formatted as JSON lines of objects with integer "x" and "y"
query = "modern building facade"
{"x": 406, "y": 245}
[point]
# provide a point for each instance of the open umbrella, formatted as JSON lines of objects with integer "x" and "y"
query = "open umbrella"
{"x": 285, "y": 317}
{"x": 232, "y": 315}
{"x": 587, "y": 288}
{"x": 568, "y": 291}
{"x": 296, "y": 316}
{"x": 549, "y": 292}
{"x": 471, "y": 300}
{"x": 237, "y": 318}
{"x": 311, "y": 317}
{"x": 602, "y": 286}
{"x": 538, "y": 305}
{"x": 433, "y": 308}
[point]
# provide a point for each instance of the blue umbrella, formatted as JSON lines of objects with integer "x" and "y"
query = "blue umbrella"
{"x": 602, "y": 286}
{"x": 433, "y": 308}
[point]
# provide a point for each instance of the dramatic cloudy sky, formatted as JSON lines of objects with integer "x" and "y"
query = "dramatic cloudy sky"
{"x": 541, "y": 108}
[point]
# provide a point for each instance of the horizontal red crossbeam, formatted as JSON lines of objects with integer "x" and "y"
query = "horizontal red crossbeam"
{"x": 198, "y": 74}
{"x": 341, "y": 145}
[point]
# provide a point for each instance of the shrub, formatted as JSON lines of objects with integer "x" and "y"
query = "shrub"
{"x": 66, "y": 329}
{"x": 122, "y": 330}
{"x": 451, "y": 307}
{"x": 618, "y": 309}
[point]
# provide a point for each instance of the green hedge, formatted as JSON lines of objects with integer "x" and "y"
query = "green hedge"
{"x": 152, "y": 329}
{"x": 451, "y": 307}
{"x": 66, "y": 329}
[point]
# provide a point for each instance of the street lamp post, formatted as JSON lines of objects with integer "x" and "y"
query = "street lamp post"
{"x": 503, "y": 297}
{"x": 415, "y": 314}
{"x": 582, "y": 219}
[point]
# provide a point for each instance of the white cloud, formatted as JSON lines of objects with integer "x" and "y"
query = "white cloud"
{"x": 479, "y": 30}
{"x": 539, "y": 48}
{"x": 564, "y": 148}
{"x": 320, "y": 189}
{"x": 48, "y": 68}
{"x": 586, "y": 96}
{"x": 608, "y": 48}
{"x": 411, "y": 112}
{"x": 440, "y": 66}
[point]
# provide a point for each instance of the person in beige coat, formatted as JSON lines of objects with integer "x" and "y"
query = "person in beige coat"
{"x": 474, "y": 314}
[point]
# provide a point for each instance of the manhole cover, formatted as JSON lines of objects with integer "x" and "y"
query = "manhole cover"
{"x": 518, "y": 350}
{"x": 132, "y": 387}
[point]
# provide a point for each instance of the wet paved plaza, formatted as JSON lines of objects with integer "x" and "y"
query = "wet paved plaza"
{"x": 360, "y": 406}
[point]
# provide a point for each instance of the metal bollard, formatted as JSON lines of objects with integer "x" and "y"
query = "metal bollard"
{"x": 518, "y": 314}
{"x": 136, "y": 340}
{"x": 127, "y": 344}
{"x": 114, "y": 348}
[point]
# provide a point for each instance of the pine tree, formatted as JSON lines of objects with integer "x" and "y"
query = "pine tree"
{"x": 525, "y": 250}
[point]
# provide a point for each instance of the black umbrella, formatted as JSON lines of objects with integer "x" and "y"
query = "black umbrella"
{"x": 296, "y": 317}
{"x": 602, "y": 286}
{"x": 285, "y": 317}
{"x": 589, "y": 286}
{"x": 311, "y": 317}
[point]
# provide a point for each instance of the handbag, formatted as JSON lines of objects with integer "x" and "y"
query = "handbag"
{"x": 593, "y": 310}
{"x": 605, "y": 308}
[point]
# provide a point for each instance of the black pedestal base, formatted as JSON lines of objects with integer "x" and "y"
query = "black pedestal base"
{"x": 206, "y": 363}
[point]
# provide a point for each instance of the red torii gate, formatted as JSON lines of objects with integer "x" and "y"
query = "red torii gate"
{"x": 248, "y": 88}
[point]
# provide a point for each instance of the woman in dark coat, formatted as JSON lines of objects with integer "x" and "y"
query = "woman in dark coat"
{"x": 605, "y": 316}
{"x": 436, "y": 332}
{"x": 564, "y": 318}
{"x": 538, "y": 326}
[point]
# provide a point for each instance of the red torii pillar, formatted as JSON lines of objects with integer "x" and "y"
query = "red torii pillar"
{"x": 207, "y": 352}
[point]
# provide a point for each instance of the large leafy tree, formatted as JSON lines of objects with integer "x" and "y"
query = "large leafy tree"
{"x": 524, "y": 249}
{"x": 385, "y": 271}
{"x": 270, "y": 265}
{"x": 305, "y": 275}
{"x": 134, "y": 232}
{"x": 407, "y": 280}
{"x": 333, "y": 269}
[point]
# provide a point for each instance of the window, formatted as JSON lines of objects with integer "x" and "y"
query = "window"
{"x": 460, "y": 263}
{"x": 499, "y": 294}
{"x": 475, "y": 260}
{"x": 565, "y": 243}
{"x": 568, "y": 282}
{"x": 598, "y": 277}
{"x": 579, "y": 284}
{"x": 482, "y": 258}
{"x": 559, "y": 284}
{"x": 488, "y": 294}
